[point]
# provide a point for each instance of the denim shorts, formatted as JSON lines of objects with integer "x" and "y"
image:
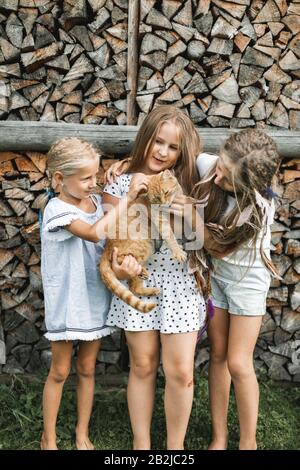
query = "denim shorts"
{"x": 240, "y": 295}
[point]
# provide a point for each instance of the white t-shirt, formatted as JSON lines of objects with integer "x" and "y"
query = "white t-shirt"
{"x": 243, "y": 257}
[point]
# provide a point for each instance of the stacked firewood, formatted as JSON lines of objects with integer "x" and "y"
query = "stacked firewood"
{"x": 23, "y": 179}
{"x": 279, "y": 343}
{"x": 228, "y": 63}
{"x": 63, "y": 61}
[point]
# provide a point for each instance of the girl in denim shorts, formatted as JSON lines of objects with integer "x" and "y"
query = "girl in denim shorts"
{"x": 238, "y": 186}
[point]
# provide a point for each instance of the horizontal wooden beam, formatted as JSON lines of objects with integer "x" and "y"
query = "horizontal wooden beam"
{"x": 116, "y": 140}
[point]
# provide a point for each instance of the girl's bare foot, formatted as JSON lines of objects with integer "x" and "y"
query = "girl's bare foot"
{"x": 84, "y": 443}
{"x": 141, "y": 445}
{"x": 249, "y": 445}
{"x": 48, "y": 444}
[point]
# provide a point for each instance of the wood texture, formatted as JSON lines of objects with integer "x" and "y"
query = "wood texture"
{"x": 38, "y": 136}
{"x": 132, "y": 60}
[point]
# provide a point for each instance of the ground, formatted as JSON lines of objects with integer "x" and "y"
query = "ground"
{"x": 21, "y": 417}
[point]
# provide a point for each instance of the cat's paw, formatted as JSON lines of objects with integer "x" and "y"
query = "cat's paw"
{"x": 155, "y": 291}
{"x": 151, "y": 291}
{"x": 179, "y": 255}
{"x": 144, "y": 274}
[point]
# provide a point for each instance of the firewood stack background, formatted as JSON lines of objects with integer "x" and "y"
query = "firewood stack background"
{"x": 227, "y": 63}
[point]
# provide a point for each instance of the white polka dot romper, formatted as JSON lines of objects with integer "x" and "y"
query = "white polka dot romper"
{"x": 180, "y": 306}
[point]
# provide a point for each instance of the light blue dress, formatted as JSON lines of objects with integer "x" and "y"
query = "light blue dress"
{"x": 76, "y": 300}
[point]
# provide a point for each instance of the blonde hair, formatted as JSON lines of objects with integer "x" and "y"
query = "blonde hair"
{"x": 66, "y": 155}
{"x": 190, "y": 144}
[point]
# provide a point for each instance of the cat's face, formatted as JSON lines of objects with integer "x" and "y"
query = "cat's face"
{"x": 163, "y": 188}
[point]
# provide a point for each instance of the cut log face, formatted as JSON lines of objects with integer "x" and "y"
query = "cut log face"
{"x": 228, "y": 91}
{"x": 55, "y": 43}
{"x": 269, "y": 12}
{"x": 233, "y": 8}
{"x": 170, "y": 8}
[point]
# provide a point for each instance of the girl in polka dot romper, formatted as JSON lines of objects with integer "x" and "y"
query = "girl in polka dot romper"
{"x": 173, "y": 325}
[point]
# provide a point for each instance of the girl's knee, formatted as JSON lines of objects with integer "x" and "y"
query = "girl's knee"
{"x": 59, "y": 374}
{"x": 218, "y": 356}
{"x": 218, "y": 351}
{"x": 85, "y": 369}
{"x": 144, "y": 368}
{"x": 181, "y": 374}
{"x": 240, "y": 369}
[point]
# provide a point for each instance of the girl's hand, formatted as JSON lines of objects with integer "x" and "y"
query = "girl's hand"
{"x": 217, "y": 228}
{"x": 116, "y": 169}
{"x": 139, "y": 183}
{"x": 178, "y": 205}
{"x": 127, "y": 269}
{"x": 214, "y": 248}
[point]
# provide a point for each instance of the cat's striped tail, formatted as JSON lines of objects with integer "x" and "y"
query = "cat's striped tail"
{"x": 112, "y": 282}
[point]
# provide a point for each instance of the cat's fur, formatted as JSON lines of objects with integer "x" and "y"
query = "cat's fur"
{"x": 162, "y": 189}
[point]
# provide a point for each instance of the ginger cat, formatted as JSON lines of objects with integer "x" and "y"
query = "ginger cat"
{"x": 162, "y": 189}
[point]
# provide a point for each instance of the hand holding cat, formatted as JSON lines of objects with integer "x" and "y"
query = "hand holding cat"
{"x": 127, "y": 269}
{"x": 139, "y": 183}
{"x": 178, "y": 205}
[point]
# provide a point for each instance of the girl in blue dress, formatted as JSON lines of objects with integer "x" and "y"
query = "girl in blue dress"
{"x": 76, "y": 301}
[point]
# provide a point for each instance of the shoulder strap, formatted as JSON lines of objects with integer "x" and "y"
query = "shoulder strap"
{"x": 94, "y": 199}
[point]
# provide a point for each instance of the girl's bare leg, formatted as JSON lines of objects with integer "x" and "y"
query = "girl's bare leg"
{"x": 178, "y": 352}
{"x": 59, "y": 371}
{"x": 219, "y": 378}
{"x": 144, "y": 352}
{"x": 85, "y": 368}
{"x": 243, "y": 334}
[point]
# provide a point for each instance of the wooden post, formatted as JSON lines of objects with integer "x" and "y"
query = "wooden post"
{"x": 132, "y": 60}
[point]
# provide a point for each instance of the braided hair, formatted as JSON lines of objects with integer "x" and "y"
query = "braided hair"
{"x": 255, "y": 161}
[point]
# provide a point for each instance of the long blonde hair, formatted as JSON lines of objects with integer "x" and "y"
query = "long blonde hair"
{"x": 190, "y": 144}
{"x": 66, "y": 155}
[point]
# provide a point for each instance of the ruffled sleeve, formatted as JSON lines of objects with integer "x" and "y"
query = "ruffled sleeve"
{"x": 56, "y": 216}
{"x": 115, "y": 189}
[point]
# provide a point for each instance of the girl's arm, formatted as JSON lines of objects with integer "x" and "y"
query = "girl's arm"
{"x": 214, "y": 248}
{"x": 109, "y": 201}
{"x": 186, "y": 207}
{"x": 116, "y": 169}
{"x": 106, "y": 224}
{"x": 196, "y": 223}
